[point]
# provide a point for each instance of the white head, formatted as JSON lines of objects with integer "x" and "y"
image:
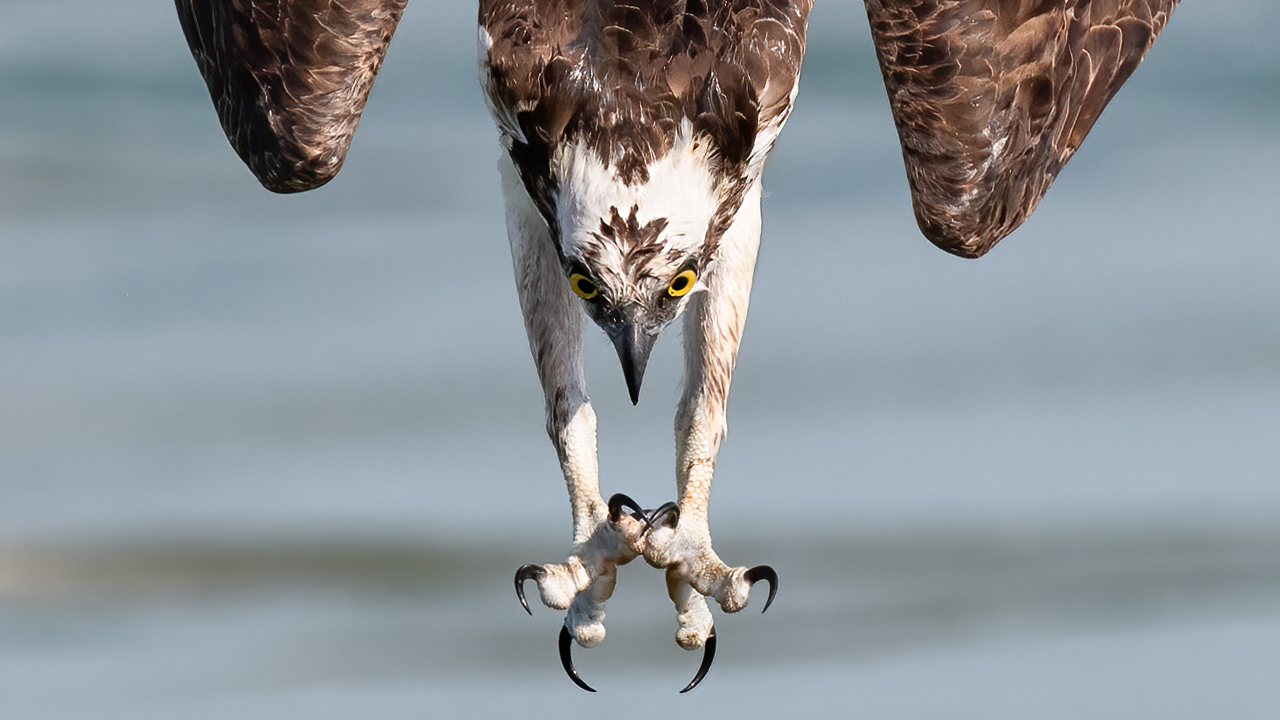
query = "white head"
{"x": 635, "y": 246}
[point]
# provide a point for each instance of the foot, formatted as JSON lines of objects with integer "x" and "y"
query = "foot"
{"x": 695, "y": 572}
{"x": 586, "y": 579}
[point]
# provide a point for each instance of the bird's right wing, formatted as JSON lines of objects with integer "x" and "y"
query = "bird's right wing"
{"x": 992, "y": 97}
{"x": 289, "y": 78}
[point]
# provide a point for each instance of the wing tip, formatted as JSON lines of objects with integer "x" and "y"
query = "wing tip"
{"x": 284, "y": 163}
{"x": 291, "y": 180}
{"x": 959, "y": 240}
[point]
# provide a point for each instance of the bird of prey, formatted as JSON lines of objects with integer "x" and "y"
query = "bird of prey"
{"x": 635, "y": 134}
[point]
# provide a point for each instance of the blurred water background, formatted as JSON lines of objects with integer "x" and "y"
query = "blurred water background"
{"x": 278, "y": 457}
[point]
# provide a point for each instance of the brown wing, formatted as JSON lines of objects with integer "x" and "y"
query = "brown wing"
{"x": 992, "y": 97}
{"x": 289, "y": 78}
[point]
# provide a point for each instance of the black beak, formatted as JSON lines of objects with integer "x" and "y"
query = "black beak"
{"x": 633, "y": 345}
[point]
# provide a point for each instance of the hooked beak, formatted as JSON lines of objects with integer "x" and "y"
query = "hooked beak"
{"x": 633, "y": 344}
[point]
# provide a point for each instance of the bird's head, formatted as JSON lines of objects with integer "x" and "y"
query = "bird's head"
{"x": 633, "y": 284}
{"x": 635, "y": 249}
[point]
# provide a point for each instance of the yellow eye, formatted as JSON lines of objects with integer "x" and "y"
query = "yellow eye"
{"x": 583, "y": 286}
{"x": 682, "y": 283}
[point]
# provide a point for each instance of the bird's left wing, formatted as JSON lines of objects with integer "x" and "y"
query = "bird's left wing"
{"x": 289, "y": 78}
{"x": 992, "y": 97}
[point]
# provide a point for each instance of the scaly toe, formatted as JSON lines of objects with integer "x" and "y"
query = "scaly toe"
{"x": 694, "y": 626}
{"x": 688, "y": 558}
{"x": 585, "y": 618}
{"x": 694, "y": 623}
{"x": 559, "y": 584}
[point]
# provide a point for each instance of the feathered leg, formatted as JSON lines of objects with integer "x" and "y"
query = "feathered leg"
{"x": 553, "y": 320}
{"x": 681, "y": 541}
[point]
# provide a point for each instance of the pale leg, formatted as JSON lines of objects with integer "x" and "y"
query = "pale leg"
{"x": 713, "y": 327}
{"x": 553, "y": 321}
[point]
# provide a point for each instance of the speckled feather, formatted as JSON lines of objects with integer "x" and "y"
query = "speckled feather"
{"x": 624, "y": 76}
{"x": 289, "y": 78}
{"x": 992, "y": 97}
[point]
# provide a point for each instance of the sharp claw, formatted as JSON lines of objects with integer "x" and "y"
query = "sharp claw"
{"x": 620, "y": 501}
{"x": 667, "y": 510}
{"x": 708, "y": 654}
{"x": 566, "y": 659}
{"x": 764, "y": 572}
{"x": 527, "y": 572}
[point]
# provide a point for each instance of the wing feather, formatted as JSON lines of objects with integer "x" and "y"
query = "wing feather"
{"x": 289, "y": 78}
{"x": 992, "y": 97}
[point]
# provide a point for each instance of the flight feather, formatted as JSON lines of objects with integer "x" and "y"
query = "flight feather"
{"x": 289, "y": 78}
{"x": 992, "y": 97}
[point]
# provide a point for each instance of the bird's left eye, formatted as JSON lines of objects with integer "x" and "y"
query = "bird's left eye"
{"x": 682, "y": 283}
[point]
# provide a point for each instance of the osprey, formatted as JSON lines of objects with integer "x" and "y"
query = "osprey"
{"x": 635, "y": 134}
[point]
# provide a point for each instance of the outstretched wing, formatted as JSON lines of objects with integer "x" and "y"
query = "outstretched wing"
{"x": 289, "y": 78}
{"x": 992, "y": 97}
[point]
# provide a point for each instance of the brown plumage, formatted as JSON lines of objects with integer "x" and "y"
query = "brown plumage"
{"x": 992, "y": 97}
{"x": 289, "y": 78}
{"x": 623, "y": 76}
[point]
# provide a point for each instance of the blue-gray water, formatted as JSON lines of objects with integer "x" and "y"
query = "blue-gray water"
{"x": 278, "y": 457}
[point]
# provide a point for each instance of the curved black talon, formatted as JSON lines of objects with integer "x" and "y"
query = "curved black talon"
{"x": 527, "y": 572}
{"x": 708, "y": 654}
{"x": 620, "y": 501}
{"x": 764, "y": 572}
{"x": 661, "y": 515}
{"x": 566, "y": 659}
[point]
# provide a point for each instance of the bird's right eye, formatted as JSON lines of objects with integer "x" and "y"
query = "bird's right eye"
{"x": 583, "y": 286}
